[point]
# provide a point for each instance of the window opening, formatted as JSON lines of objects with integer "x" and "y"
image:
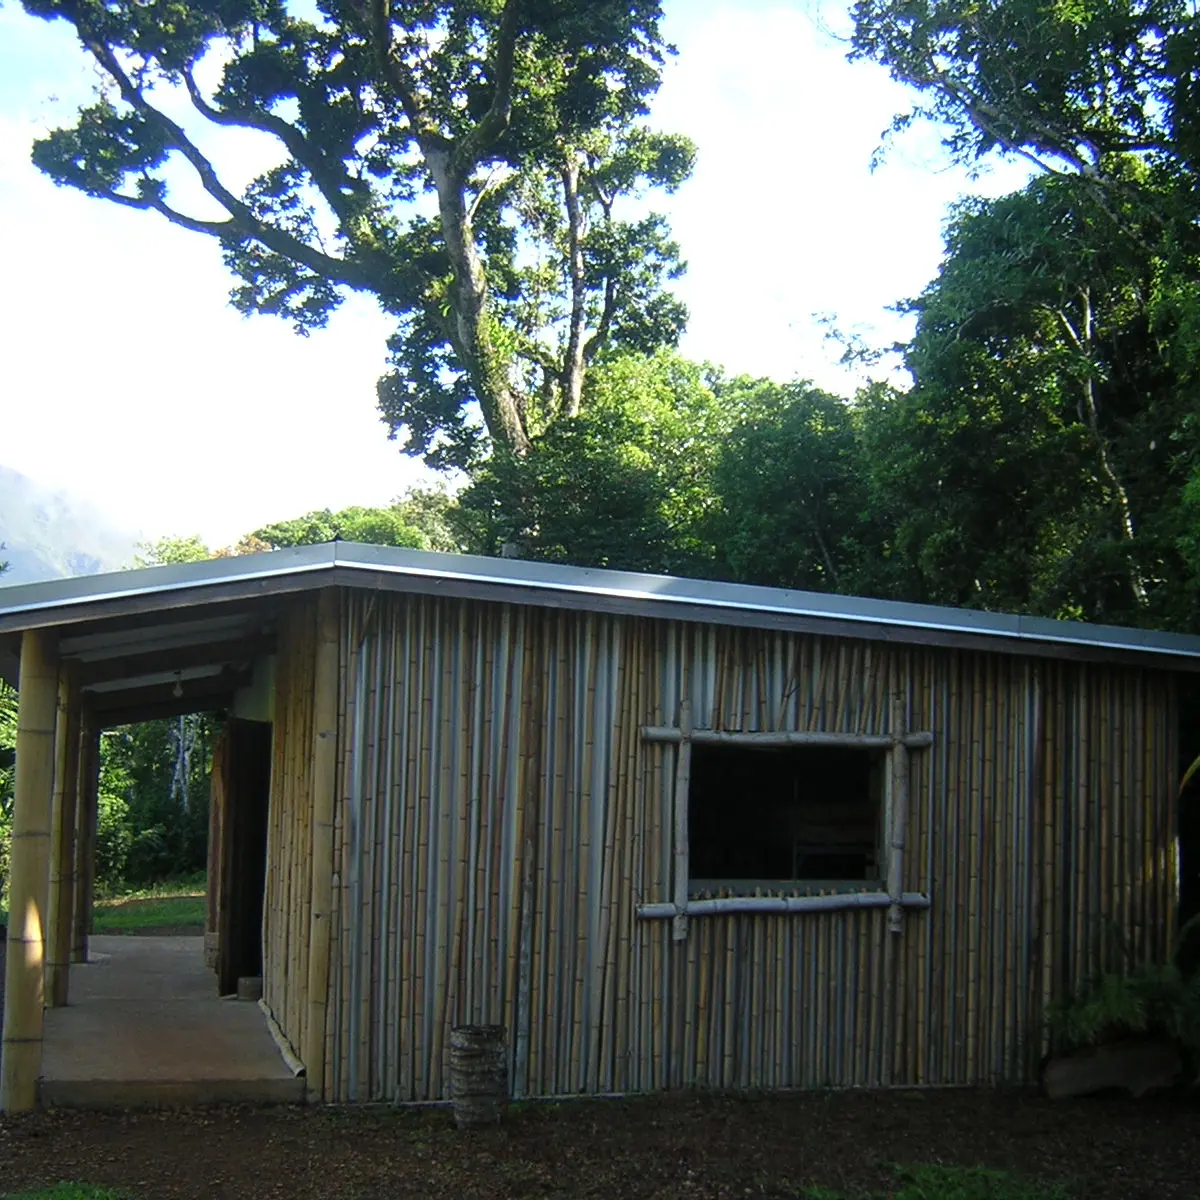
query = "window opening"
{"x": 784, "y": 815}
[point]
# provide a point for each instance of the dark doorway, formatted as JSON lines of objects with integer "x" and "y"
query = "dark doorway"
{"x": 241, "y": 800}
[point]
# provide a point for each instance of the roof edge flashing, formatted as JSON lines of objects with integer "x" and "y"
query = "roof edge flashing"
{"x": 512, "y": 580}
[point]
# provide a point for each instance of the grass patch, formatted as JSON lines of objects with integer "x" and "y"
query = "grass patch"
{"x": 66, "y": 1191}
{"x": 932, "y": 1182}
{"x": 183, "y": 885}
{"x": 121, "y": 916}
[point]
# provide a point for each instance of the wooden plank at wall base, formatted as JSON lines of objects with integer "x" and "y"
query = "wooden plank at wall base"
{"x": 62, "y": 842}
{"x": 324, "y": 789}
{"x": 29, "y": 878}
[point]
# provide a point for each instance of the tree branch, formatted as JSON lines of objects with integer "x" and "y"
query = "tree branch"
{"x": 597, "y": 340}
{"x": 327, "y": 181}
{"x": 266, "y": 122}
{"x": 495, "y": 121}
{"x": 218, "y": 229}
{"x": 244, "y": 221}
{"x": 378, "y": 16}
{"x": 574, "y": 361}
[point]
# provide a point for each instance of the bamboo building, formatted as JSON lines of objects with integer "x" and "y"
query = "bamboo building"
{"x": 669, "y": 833}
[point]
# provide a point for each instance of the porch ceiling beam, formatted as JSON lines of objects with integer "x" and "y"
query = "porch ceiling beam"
{"x": 163, "y": 694}
{"x": 131, "y": 666}
{"x": 134, "y": 714}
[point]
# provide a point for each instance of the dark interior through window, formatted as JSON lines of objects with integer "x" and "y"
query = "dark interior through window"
{"x": 787, "y": 813}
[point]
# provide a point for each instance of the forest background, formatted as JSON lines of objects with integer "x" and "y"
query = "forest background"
{"x": 485, "y": 171}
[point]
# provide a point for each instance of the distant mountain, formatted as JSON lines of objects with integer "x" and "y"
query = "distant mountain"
{"x": 50, "y": 534}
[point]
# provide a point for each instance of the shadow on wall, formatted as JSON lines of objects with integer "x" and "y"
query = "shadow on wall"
{"x": 1189, "y": 821}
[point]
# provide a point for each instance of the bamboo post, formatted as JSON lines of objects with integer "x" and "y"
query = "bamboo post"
{"x": 530, "y": 777}
{"x": 898, "y": 814}
{"x": 63, "y": 867}
{"x": 29, "y": 880}
{"x": 683, "y": 778}
{"x": 324, "y": 788}
{"x": 88, "y": 787}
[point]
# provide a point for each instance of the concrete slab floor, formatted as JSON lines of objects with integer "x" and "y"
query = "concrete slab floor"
{"x": 145, "y": 1026}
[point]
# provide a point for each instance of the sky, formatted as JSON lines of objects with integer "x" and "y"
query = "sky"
{"x": 127, "y": 380}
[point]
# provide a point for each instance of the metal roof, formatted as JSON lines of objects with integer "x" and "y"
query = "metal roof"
{"x": 159, "y": 593}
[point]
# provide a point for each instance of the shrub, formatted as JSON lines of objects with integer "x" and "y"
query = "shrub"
{"x": 66, "y": 1191}
{"x": 935, "y": 1182}
{"x": 972, "y": 1183}
{"x": 1148, "y": 1000}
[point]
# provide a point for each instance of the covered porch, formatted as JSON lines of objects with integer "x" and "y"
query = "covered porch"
{"x": 145, "y": 1026}
{"x": 103, "y": 1020}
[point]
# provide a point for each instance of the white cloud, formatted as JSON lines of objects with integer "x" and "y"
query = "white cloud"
{"x": 784, "y": 219}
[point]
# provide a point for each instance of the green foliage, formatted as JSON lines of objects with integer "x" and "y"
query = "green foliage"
{"x": 936, "y": 1182}
{"x": 792, "y": 484}
{"x": 8, "y": 745}
{"x": 172, "y": 550}
{"x": 1155, "y": 1000}
{"x": 1124, "y": 998}
{"x": 1040, "y": 461}
{"x": 377, "y": 526}
{"x": 627, "y": 484}
{"x": 933, "y": 1181}
{"x": 68, "y": 1191}
{"x": 153, "y": 804}
{"x": 477, "y": 165}
{"x": 1073, "y": 86}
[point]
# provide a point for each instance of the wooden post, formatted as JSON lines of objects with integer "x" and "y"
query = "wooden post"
{"x": 86, "y": 815}
{"x": 218, "y": 778}
{"x": 324, "y": 790}
{"x": 29, "y": 880}
{"x": 63, "y": 832}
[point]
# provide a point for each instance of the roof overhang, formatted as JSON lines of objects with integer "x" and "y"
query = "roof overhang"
{"x": 211, "y": 620}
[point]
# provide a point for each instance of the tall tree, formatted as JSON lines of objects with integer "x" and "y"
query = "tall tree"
{"x": 1039, "y": 461}
{"x": 792, "y": 484}
{"x": 468, "y": 162}
{"x": 377, "y": 526}
{"x": 626, "y": 484}
{"x": 1075, "y": 87}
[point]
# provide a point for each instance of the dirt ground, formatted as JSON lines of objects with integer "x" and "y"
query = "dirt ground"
{"x": 667, "y": 1148}
{"x": 671, "y": 1146}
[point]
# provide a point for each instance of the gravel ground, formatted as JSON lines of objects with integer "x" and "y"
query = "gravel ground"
{"x": 667, "y": 1147}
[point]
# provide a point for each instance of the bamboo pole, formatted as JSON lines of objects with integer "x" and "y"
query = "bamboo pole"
{"x": 528, "y": 785}
{"x": 85, "y": 836}
{"x": 21, "y": 1056}
{"x": 62, "y": 842}
{"x": 324, "y": 786}
{"x": 683, "y": 777}
{"x": 769, "y": 738}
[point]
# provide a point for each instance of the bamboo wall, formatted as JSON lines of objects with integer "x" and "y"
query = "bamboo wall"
{"x": 287, "y": 905}
{"x": 479, "y": 737}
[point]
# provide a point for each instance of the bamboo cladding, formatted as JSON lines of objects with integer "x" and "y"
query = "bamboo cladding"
{"x": 502, "y": 816}
{"x": 287, "y": 904}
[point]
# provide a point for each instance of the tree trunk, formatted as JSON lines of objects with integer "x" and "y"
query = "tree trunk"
{"x": 1083, "y": 339}
{"x": 573, "y": 364}
{"x": 472, "y": 322}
